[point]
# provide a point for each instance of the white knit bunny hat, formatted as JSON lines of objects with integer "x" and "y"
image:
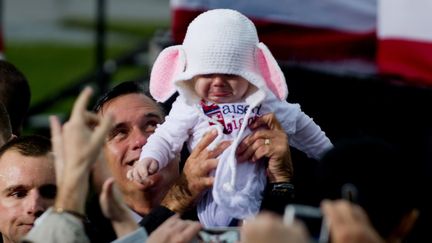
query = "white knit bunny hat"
{"x": 220, "y": 41}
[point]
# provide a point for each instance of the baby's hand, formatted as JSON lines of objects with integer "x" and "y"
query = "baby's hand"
{"x": 143, "y": 169}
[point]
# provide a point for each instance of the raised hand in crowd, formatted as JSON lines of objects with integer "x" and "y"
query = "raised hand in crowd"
{"x": 76, "y": 147}
{"x": 348, "y": 223}
{"x": 114, "y": 209}
{"x": 173, "y": 229}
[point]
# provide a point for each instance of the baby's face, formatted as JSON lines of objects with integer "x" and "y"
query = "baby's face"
{"x": 220, "y": 88}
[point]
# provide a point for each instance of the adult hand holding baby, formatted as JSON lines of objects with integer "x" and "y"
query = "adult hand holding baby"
{"x": 272, "y": 143}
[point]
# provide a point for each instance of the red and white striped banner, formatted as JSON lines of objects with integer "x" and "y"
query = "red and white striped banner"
{"x": 341, "y": 32}
{"x": 405, "y": 39}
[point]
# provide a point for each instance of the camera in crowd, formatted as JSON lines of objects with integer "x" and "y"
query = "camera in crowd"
{"x": 311, "y": 217}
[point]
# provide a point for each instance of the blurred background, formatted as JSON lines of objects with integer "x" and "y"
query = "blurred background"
{"x": 352, "y": 65}
{"x": 60, "y": 45}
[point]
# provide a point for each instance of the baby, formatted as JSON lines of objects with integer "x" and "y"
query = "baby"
{"x": 225, "y": 79}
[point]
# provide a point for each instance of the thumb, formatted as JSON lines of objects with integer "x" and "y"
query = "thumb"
{"x": 268, "y": 120}
{"x": 106, "y": 197}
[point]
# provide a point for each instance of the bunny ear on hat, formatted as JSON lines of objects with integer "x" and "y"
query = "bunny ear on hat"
{"x": 271, "y": 72}
{"x": 170, "y": 62}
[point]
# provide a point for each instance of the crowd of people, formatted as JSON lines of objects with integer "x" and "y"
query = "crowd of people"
{"x": 87, "y": 182}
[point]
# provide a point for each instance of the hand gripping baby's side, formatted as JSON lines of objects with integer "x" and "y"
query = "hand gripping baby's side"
{"x": 143, "y": 169}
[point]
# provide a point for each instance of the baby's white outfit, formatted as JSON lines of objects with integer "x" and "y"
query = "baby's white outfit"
{"x": 224, "y": 41}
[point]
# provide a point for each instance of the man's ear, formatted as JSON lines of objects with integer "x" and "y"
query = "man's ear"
{"x": 404, "y": 227}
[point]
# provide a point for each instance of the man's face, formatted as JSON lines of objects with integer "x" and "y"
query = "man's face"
{"x": 27, "y": 189}
{"x": 135, "y": 119}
